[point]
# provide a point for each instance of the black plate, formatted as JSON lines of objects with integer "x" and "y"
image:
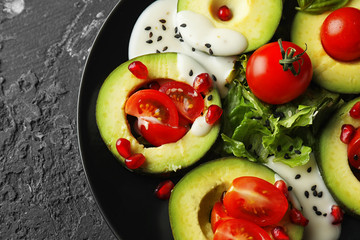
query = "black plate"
{"x": 126, "y": 199}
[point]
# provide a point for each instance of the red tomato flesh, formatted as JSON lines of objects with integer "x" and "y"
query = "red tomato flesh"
{"x": 153, "y": 104}
{"x": 340, "y": 34}
{"x": 237, "y": 229}
{"x": 354, "y": 150}
{"x": 218, "y": 215}
{"x": 255, "y": 200}
{"x": 267, "y": 79}
{"x": 188, "y": 101}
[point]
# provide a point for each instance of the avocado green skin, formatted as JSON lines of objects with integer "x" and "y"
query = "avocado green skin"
{"x": 333, "y": 75}
{"x": 333, "y": 161}
{"x": 257, "y": 22}
{"x": 195, "y": 194}
{"x": 112, "y": 119}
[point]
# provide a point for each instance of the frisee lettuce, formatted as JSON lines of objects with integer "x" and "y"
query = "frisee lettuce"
{"x": 256, "y": 130}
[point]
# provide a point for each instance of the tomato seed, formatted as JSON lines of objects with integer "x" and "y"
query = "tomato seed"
{"x": 224, "y": 13}
{"x": 279, "y": 233}
{"x": 135, "y": 161}
{"x": 213, "y": 114}
{"x": 138, "y": 69}
{"x": 347, "y": 133}
{"x": 281, "y": 185}
{"x": 337, "y": 213}
{"x": 202, "y": 83}
{"x": 355, "y": 111}
{"x": 163, "y": 190}
{"x": 298, "y": 218}
{"x": 123, "y": 147}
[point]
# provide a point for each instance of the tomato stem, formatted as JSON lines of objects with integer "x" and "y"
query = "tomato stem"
{"x": 288, "y": 58}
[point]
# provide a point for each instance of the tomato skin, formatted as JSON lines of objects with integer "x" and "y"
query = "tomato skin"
{"x": 235, "y": 229}
{"x": 354, "y": 150}
{"x": 158, "y": 134}
{"x": 267, "y": 79}
{"x": 153, "y": 104}
{"x": 340, "y": 34}
{"x": 218, "y": 215}
{"x": 255, "y": 200}
{"x": 188, "y": 101}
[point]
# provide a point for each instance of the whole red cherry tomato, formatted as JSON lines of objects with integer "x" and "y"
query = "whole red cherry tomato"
{"x": 340, "y": 34}
{"x": 268, "y": 79}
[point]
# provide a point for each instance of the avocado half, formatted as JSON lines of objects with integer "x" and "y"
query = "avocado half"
{"x": 333, "y": 160}
{"x": 195, "y": 194}
{"x": 333, "y": 75}
{"x": 257, "y": 20}
{"x": 113, "y": 124}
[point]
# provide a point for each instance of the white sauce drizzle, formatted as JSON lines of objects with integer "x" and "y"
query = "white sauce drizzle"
{"x": 315, "y": 208}
{"x": 200, "y": 127}
{"x": 200, "y": 33}
{"x": 156, "y": 39}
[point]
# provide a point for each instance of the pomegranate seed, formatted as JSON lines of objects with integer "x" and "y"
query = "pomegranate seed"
{"x": 123, "y": 147}
{"x": 224, "y": 13}
{"x": 355, "y": 110}
{"x": 281, "y": 185}
{"x": 163, "y": 190}
{"x": 154, "y": 85}
{"x": 202, "y": 83}
{"x": 135, "y": 161}
{"x": 138, "y": 69}
{"x": 297, "y": 217}
{"x": 213, "y": 114}
{"x": 347, "y": 133}
{"x": 279, "y": 233}
{"x": 337, "y": 213}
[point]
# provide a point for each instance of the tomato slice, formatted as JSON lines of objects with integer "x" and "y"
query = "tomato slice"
{"x": 255, "y": 200}
{"x": 153, "y": 104}
{"x": 354, "y": 150}
{"x": 188, "y": 101}
{"x": 237, "y": 229}
{"x": 158, "y": 134}
{"x": 218, "y": 215}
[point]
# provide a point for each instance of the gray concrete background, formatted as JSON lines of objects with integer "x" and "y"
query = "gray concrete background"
{"x": 43, "y": 48}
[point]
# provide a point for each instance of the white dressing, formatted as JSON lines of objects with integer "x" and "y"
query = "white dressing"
{"x": 200, "y": 127}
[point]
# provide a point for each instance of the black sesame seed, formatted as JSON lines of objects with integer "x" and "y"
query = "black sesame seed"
{"x": 315, "y": 193}
{"x": 320, "y": 194}
{"x": 306, "y": 193}
{"x": 151, "y": 34}
{"x": 325, "y": 214}
{"x": 213, "y": 77}
{"x": 287, "y": 156}
{"x": 157, "y": 51}
{"x": 191, "y": 73}
{"x": 208, "y": 45}
{"x": 297, "y": 151}
{"x": 165, "y": 48}
{"x": 159, "y": 38}
{"x": 313, "y": 187}
{"x": 181, "y": 40}
{"x": 291, "y": 148}
{"x": 193, "y": 49}
{"x": 309, "y": 169}
{"x": 290, "y": 188}
{"x": 162, "y": 20}
{"x": 149, "y": 41}
{"x": 210, "y": 97}
{"x": 176, "y": 29}
{"x": 297, "y": 176}
{"x": 177, "y": 36}
{"x": 183, "y": 25}
{"x": 163, "y": 27}
{"x": 147, "y": 28}
{"x": 278, "y": 148}
{"x": 318, "y": 213}
{"x": 315, "y": 208}
{"x": 211, "y": 51}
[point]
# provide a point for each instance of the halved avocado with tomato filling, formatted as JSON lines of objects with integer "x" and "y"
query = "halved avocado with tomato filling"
{"x": 333, "y": 160}
{"x": 113, "y": 123}
{"x": 195, "y": 195}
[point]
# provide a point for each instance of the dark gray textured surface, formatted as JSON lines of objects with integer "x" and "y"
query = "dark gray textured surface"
{"x": 43, "y": 48}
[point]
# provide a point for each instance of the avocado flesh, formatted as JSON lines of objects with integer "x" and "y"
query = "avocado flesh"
{"x": 337, "y": 76}
{"x": 112, "y": 119}
{"x": 257, "y": 21}
{"x": 195, "y": 194}
{"x": 333, "y": 161}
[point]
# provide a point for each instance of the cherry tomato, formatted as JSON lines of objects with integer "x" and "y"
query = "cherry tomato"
{"x": 255, "y": 200}
{"x": 153, "y": 104}
{"x": 218, "y": 215}
{"x": 354, "y": 150}
{"x": 188, "y": 101}
{"x": 236, "y": 229}
{"x": 267, "y": 78}
{"x": 340, "y": 34}
{"x": 158, "y": 134}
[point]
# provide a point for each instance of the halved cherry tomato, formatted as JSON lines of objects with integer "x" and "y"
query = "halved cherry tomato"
{"x": 354, "y": 150}
{"x": 158, "y": 134}
{"x": 340, "y": 34}
{"x": 255, "y": 200}
{"x": 188, "y": 101}
{"x": 153, "y": 104}
{"x": 269, "y": 81}
{"x": 218, "y": 215}
{"x": 236, "y": 229}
